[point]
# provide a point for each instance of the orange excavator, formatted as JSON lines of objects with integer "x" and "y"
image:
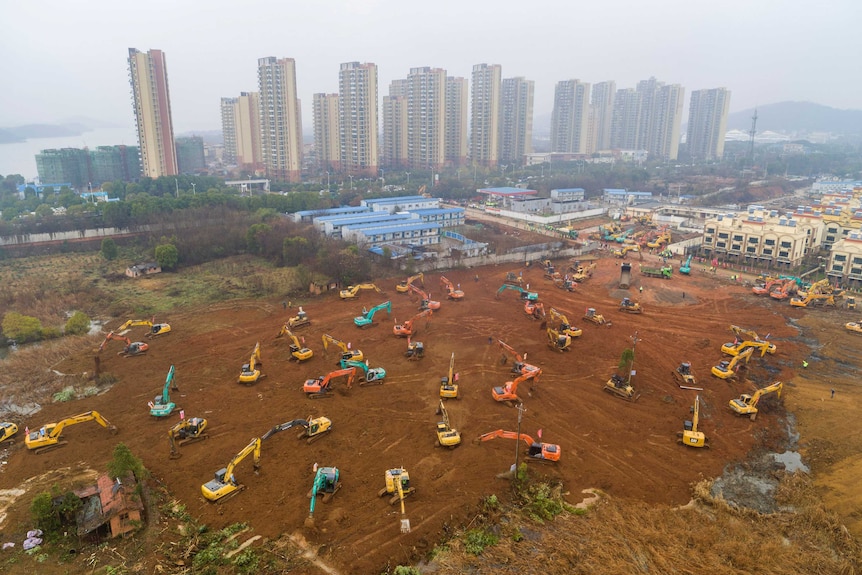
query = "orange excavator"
{"x": 451, "y": 292}
{"x": 766, "y": 288}
{"x": 520, "y": 364}
{"x": 322, "y": 386}
{"x": 425, "y": 298}
{"x": 132, "y": 348}
{"x": 535, "y": 310}
{"x": 536, "y": 451}
{"x": 508, "y": 393}
{"x": 406, "y": 329}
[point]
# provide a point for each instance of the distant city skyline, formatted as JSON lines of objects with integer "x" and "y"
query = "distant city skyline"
{"x": 763, "y": 52}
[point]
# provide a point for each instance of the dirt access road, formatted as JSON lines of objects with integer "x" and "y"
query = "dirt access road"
{"x": 628, "y": 450}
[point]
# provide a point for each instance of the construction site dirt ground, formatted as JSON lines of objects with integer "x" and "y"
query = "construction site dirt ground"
{"x": 626, "y": 450}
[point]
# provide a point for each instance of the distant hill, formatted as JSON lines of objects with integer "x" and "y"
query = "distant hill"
{"x": 31, "y": 131}
{"x": 789, "y": 117}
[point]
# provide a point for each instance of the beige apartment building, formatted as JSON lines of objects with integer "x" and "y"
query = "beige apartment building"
{"x": 845, "y": 261}
{"x": 516, "y": 120}
{"x": 841, "y": 213}
{"x": 485, "y": 115}
{"x": 570, "y": 117}
{"x": 763, "y": 238}
{"x": 280, "y": 119}
{"x": 457, "y": 121}
{"x": 426, "y": 118}
{"x": 148, "y": 74}
{"x": 249, "y": 153}
{"x": 326, "y": 132}
{"x": 707, "y": 123}
{"x": 357, "y": 118}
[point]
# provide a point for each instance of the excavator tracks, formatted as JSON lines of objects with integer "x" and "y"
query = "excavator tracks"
{"x": 41, "y": 450}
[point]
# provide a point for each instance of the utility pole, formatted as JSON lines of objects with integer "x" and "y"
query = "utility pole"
{"x": 632, "y": 364}
{"x": 521, "y": 410}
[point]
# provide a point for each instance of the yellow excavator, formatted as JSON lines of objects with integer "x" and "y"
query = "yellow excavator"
{"x": 564, "y": 326}
{"x": 690, "y": 435}
{"x": 7, "y": 430}
{"x": 853, "y": 326}
{"x": 727, "y": 369}
{"x": 347, "y": 354}
{"x": 224, "y": 485}
{"x": 747, "y": 404}
{"x": 298, "y": 351}
{"x": 313, "y": 428}
{"x": 404, "y": 285}
{"x": 250, "y": 372}
{"x": 748, "y": 339}
{"x": 818, "y": 298}
{"x": 446, "y": 436}
{"x": 155, "y": 328}
{"x": 449, "y": 384}
{"x": 186, "y": 431}
{"x": 621, "y": 253}
{"x": 558, "y": 340}
{"x": 48, "y": 436}
{"x": 352, "y": 291}
{"x": 393, "y": 478}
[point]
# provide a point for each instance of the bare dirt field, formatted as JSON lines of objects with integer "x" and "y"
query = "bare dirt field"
{"x": 627, "y": 450}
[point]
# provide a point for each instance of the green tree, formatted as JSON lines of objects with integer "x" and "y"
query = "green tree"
{"x": 44, "y": 211}
{"x": 21, "y": 328}
{"x": 43, "y": 513}
{"x": 255, "y": 236}
{"x": 78, "y": 324}
{"x": 124, "y": 461}
{"x": 109, "y": 249}
{"x": 295, "y": 250}
{"x": 167, "y": 256}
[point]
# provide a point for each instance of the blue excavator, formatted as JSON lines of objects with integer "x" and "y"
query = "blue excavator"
{"x": 686, "y": 267}
{"x": 367, "y": 317}
{"x": 161, "y": 405}
{"x": 327, "y": 484}
{"x": 527, "y": 295}
{"x": 373, "y": 375}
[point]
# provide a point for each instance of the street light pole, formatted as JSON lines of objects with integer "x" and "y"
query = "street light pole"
{"x": 177, "y": 184}
{"x": 351, "y": 180}
{"x": 194, "y": 189}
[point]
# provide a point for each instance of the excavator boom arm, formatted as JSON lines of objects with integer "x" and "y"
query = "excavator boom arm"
{"x": 506, "y": 435}
{"x": 252, "y": 447}
{"x": 81, "y": 418}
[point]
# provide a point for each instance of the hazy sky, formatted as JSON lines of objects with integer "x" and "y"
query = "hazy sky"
{"x": 66, "y": 58}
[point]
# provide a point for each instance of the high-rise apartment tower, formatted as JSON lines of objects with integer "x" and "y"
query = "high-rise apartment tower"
{"x": 148, "y": 73}
{"x": 569, "y": 119}
{"x": 280, "y": 119}
{"x": 357, "y": 117}
{"x": 516, "y": 120}
{"x": 485, "y": 115}
{"x": 707, "y": 123}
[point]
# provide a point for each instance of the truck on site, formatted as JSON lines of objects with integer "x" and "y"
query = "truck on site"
{"x": 625, "y": 275}
{"x": 746, "y": 404}
{"x": 48, "y": 436}
{"x": 536, "y": 451}
{"x": 664, "y": 272}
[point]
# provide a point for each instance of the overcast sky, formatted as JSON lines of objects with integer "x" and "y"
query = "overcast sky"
{"x": 66, "y": 58}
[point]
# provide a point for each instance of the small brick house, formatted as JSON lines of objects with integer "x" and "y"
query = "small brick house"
{"x": 146, "y": 269}
{"x": 111, "y": 508}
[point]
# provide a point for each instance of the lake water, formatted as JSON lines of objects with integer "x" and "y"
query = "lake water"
{"x": 20, "y": 158}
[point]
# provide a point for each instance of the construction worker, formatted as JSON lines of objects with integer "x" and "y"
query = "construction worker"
{"x": 804, "y": 363}
{"x": 641, "y": 289}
